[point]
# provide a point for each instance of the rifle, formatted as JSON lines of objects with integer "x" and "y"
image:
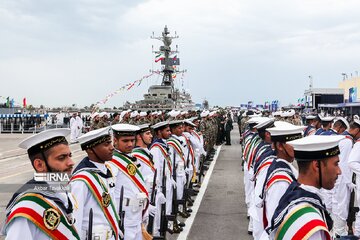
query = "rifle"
{"x": 352, "y": 209}
{"x": 174, "y": 192}
{"x": 163, "y": 220}
{"x": 121, "y": 211}
{"x": 188, "y": 185}
{"x": 202, "y": 168}
{"x": 89, "y": 233}
{"x": 150, "y": 225}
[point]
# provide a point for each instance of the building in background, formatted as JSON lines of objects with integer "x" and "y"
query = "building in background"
{"x": 316, "y": 96}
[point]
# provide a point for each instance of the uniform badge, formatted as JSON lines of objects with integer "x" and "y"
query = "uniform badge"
{"x": 131, "y": 168}
{"x": 105, "y": 199}
{"x": 51, "y": 219}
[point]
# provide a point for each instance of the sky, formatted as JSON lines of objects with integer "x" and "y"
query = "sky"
{"x": 59, "y": 53}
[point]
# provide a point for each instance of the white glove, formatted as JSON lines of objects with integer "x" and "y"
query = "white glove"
{"x": 152, "y": 209}
{"x": 173, "y": 183}
{"x": 160, "y": 198}
{"x": 351, "y": 186}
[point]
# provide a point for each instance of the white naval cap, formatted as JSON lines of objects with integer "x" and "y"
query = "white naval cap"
{"x": 124, "y": 129}
{"x": 326, "y": 119}
{"x": 160, "y": 125}
{"x": 310, "y": 117}
{"x": 173, "y": 113}
{"x": 212, "y": 113}
{"x": 94, "y": 114}
{"x": 102, "y": 114}
{"x": 122, "y": 114}
{"x": 204, "y": 113}
{"x": 288, "y": 113}
{"x": 345, "y": 122}
{"x": 284, "y": 131}
{"x": 143, "y": 114}
{"x": 94, "y": 138}
{"x": 264, "y": 122}
{"x": 256, "y": 120}
{"x": 316, "y": 147}
{"x": 176, "y": 122}
{"x": 144, "y": 127}
{"x": 277, "y": 113}
{"x": 189, "y": 122}
{"x": 44, "y": 140}
{"x": 357, "y": 121}
{"x": 134, "y": 114}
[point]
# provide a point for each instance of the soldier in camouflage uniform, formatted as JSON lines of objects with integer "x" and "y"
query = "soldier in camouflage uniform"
{"x": 125, "y": 115}
{"x": 104, "y": 122}
{"x": 95, "y": 121}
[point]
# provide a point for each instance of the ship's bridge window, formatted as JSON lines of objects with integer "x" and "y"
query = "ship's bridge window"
{"x": 154, "y": 94}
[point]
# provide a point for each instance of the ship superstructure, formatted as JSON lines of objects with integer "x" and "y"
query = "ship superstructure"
{"x": 165, "y": 96}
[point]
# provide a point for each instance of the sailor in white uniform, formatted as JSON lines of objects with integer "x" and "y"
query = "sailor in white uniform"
{"x": 344, "y": 186}
{"x": 318, "y": 161}
{"x": 281, "y": 173}
{"x": 141, "y": 152}
{"x": 36, "y": 214}
{"x": 128, "y": 175}
{"x": 93, "y": 186}
{"x": 354, "y": 164}
{"x": 160, "y": 151}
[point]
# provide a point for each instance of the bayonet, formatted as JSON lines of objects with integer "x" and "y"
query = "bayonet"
{"x": 89, "y": 235}
{"x": 121, "y": 211}
{"x": 152, "y": 202}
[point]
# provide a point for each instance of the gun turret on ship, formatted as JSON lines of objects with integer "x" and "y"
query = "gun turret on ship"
{"x": 165, "y": 96}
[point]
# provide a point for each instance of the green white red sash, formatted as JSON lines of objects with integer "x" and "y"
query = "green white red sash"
{"x": 301, "y": 223}
{"x": 98, "y": 188}
{"x": 248, "y": 144}
{"x": 44, "y": 214}
{"x": 143, "y": 157}
{"x": 125, "y": 164}
{"x": 192, "y": 156}
{"x": 165, "y": 154}
{"x": 174, "y": 143}
{"x": 260, "y": 152}
{"x": 253, "y": 146}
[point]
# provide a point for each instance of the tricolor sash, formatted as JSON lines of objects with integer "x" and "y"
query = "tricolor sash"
{"x": 165, "y": 154}
{"x": 174, "y": 143}
{"x": 301, "y": 223}
{"x": 260, "y": 152}
{"x": 101, "y": 194}
{"x": 192, "y": 156}
{"x": 44, "y": 214}
{"x": 143, "y": 157}
{"x": 126, "y": 166}
{"x": 256, "y": 141}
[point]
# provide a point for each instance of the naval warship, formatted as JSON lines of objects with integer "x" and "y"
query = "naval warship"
{"x": 165, "y": 96}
